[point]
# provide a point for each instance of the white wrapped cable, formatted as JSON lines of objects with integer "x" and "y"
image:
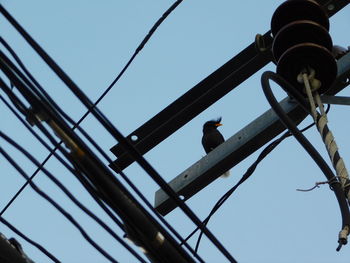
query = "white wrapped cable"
{"x": 311, "y": 85}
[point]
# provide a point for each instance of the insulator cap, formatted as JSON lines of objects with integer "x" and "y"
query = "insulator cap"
{"x": 305, "y": 55}
{"x": 294, "y": 10}
{"x": 297, "y": 32}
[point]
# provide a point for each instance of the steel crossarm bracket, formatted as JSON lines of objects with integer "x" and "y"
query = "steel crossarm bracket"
{"x": 196, "y": 100}
{"x": 239, "y": 146}
{"x": 204, "y": 94}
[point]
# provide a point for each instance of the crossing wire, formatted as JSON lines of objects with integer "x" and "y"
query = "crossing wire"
{"x": 117, "y": 135}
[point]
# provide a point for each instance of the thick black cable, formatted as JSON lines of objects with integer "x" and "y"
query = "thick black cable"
{"x": 55, "y": 120}
{"x": 8, "y": 91}
{"x": 110, "y": 161}
{"x": 116, "y": 134}
{"x": 52, "y": 152}
{"x": 321, "y": 163}
{"x": 139, "y": 48}
{"x": 74, "y": 200}
{"x": 30, "y": 241}
{"x": 49, "y": 199}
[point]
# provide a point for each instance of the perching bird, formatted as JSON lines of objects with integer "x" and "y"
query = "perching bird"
{"x": 212, "y": 137}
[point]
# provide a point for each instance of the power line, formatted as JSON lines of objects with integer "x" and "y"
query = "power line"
{"x": 116, "y": 134}
{"x": 71, "y": 196}
{"x": 314, "y": 154}
{"x": 46, "y": 197}
{"x": 138, "y": 49}
{"x": 18, "y": 103}
{"x": 30, "y": 241}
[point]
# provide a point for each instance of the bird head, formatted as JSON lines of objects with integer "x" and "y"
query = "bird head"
{"x": 212, "y": 124}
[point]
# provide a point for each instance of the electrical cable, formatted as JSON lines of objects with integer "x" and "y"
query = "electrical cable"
{"x": 138, "y": 49}
{"x": 8, "y": 90}
{"x": 245, "y": 176}
{"x": 49, "y": 199}
{"x": 321, "y": 121}
{"x": 116, "y": 134}
{"x": 19, "y": 83}
{"x": 75, "y": 201}
{"x": 153, "y": 29}
{"x": 333, "y": 181}
{"x": 85, "y": 134}
{"x": 30, "y": 241}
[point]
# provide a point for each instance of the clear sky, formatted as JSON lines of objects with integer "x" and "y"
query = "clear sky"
{"x": 266, "y": 220}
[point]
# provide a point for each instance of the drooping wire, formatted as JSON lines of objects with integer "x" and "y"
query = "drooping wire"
{"x": 8, "y": 91}
{"x": 48, "y": 198}
{"x": 314, "y": 154}
{"x": 117, "y": 135}
{"x": 30, "y": 241}
{"x": 71, "y": 196}
{"x": 121, "y": 73}
{"x": 245, "y": 176}
{"x": 26, "y": 113}
{"x": 138, "y": 49}
{"x": 124, "y": 177}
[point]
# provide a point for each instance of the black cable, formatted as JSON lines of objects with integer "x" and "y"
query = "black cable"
{"x": 333, "y": 181}
{"x": 71, "y": 196}
{"x": 85, "y": 134}
{"x": 49, "y": 199}
{"x": 30, "y": 241}
{"x": 39, "y": 106}
{"x": 148, "y": 36}
{"x": 8, "y": 91}
{"x": 245, "y": 176}
{"x": 138, "y": 49}
{"x": 106, "y": 178}
{"x": 116, "y": 134}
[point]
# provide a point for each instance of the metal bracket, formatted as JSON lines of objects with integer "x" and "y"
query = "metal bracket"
{"x": 338, "y": 100}
{"x": 239, "y": 146}
{"x": 204, "y": 94}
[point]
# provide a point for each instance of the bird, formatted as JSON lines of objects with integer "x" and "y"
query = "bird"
{"x": 212, "y": 137}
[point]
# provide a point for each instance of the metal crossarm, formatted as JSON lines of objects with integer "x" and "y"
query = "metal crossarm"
{"x": 204, "y": 94}
{"x": 239, "y": 146}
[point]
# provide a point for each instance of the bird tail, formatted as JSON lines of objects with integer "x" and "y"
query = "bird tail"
{"x": 226, "y": 174}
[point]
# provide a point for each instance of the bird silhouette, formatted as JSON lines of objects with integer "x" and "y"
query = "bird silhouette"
{"x": 212, "y": 137}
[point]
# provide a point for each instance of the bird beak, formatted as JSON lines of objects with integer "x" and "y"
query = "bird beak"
{"x": 218, "y": 124}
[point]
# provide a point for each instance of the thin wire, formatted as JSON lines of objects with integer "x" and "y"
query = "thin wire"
{"x": 90, "y": 189}
{"x": 246, "y": 175}
{"x": 49, "y": 199}
{"x": 135, "y": 189}
{"x": 116, "y": 134}
{"x": 305, "y": 143}
{"x": 138, "y": 49}
{"x": 74, "y": 200}
{"x": 30, "y": 241}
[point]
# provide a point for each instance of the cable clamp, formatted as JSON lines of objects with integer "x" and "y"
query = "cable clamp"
{"x": 315, "y": 84}
{"x": 34, "y": 116}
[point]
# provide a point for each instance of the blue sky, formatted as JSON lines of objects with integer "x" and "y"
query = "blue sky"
{"x": 266, "y": 220}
